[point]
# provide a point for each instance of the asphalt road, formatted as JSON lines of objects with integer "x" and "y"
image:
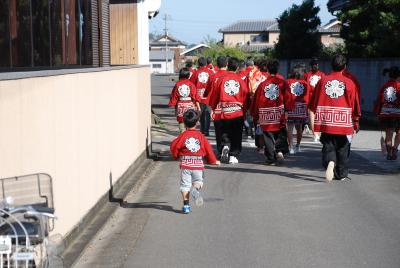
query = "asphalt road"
{"x": 256, "y": 215}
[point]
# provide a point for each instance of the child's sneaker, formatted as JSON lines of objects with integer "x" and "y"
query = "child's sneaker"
{"x": 297, "y": 148}
{"x": 198, "y": 199}
{"x": 225, "y": 154}
{"x": 186, "y": 209}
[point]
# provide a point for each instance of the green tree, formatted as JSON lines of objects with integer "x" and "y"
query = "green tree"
{"x": 217, "y": 50}
{"x": 371, "y": 28}
{"x": 299, "y": 37}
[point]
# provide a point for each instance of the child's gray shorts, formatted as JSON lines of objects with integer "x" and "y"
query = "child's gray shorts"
{"x": 189, "y": 177}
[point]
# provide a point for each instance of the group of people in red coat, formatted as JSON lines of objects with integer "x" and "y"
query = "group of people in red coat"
{"x": 229, "y": 95}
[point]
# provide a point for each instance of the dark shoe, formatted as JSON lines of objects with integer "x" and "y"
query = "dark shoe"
{"x": 270, "y": 163}
{"x": 394, "y": 154}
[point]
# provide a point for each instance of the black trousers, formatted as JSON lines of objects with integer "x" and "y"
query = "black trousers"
{"x": 336, "y": 148}
{"x": 231, "y": 135}
{"x": 275, "y": 141}
{"x": 205, "y": 119}
{"x": 217, "y": 127}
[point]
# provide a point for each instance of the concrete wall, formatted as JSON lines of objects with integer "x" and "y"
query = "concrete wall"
{"x": 164, "y": 68}
{"x": 76, "y": 127}
{"x": 367, "y": 71}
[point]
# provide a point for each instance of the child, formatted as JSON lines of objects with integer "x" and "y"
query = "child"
{"x": 387, "y": 107}
{"x": 191, "y": 146}
{"x": 297, "y": 94}
{"x": 183, "y": 97}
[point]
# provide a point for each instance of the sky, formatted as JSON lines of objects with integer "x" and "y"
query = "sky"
{"x": 192, "y": 21}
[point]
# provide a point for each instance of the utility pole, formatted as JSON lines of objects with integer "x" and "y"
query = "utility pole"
{"x": 166, "y": 42}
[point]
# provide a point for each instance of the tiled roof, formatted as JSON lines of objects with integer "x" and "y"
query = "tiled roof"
{"x": 172, "y": 41}
{"x": 333, "y": 29}
{"x": 251, "y": 26}
{"x": 160, "y": 55}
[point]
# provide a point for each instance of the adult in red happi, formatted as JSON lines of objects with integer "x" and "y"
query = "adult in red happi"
{"x": 222, "y": 63}
{"x": 335, "y": 112}
{"x": 232, "y": 94}
{"x": 268, "y": 109}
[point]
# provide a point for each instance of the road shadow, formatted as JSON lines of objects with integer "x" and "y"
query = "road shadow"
{"x": 152, "y": 205}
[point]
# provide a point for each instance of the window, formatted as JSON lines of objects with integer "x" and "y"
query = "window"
{"x": 4, "y": 36}
{"x": 45, "y": 33}
{"x": 156, "y": 65}
{"x": 20, "y": 31}
{"x": 259, "y": 38}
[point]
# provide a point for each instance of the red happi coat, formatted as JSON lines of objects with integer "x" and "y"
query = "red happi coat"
{"x": 313, "y": 79}
{"x": 200, "y": 80}
{"x": 192, "y": 72}
{"x": 210, "y": 89}
{"x": 232, "y": 94}
{"x": 191, "y": 146}
{"x": 336, "y": 105}
{"x": 388, "y": 101}
{"x": 183, "y": 97}
{"x": 297, "y": 95}
{"x": 268, "y": 105}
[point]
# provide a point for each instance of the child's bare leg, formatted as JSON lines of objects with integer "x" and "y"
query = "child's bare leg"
{"x": 290, "y": 127}
{"x": 299, "y": 133}
{"x": 185, "y": 196}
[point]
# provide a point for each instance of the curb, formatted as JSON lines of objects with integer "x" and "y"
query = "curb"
{"x": 80, "y": 236}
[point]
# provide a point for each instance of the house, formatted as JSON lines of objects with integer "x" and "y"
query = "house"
{"x": 330, "y": 33}
{"x": 75, "y": 97}
{"x": 168, "y": 42}
{"x": 258, "y": 35}
{"x": 162, "y": 62}
{"x": 191, "y": 54}
{"x": 251, "y": 34}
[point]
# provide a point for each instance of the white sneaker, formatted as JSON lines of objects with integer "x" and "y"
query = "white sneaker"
{"x": 291, "y": 151}
{"x": 280, "y": 157}
{"x": 307, "y": 130}
{"x": 233, "y": 160}
{"x": 316, "y": 138}
{"x": 297, "y": 148}
{"x": 225, "y": 154}
{"x": 329, "y": 174}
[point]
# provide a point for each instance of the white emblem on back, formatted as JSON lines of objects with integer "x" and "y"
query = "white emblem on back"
{"x": 271, "y": 91}
{"x": 184, "y": 90}
{"x": 297, "y": 89}
{"x": 231, "y": 87}
{"x": 390, "y": 94}
{"x": 192, "y": 145}
{"x": 203, "y": 77}
{"x": 335, "y": 89}
{"x": 314, "y": 80}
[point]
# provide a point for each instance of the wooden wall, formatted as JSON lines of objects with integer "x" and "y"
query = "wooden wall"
{"x": 123, "y": 34}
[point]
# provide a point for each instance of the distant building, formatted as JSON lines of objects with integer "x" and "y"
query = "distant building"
{"x": 161, "y": 62}
{"x": 170, "y": 43}
{"x": 258, "y": 35}
{"x": 192, "y": 53}
{"x": 330, "y": 33}
{"x": 252, "y": 35}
